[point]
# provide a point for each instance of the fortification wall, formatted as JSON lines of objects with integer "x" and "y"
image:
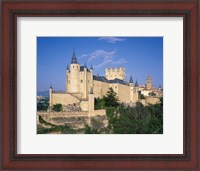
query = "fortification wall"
{"x": 104, "y": 88}
{"x": 100, "y": 89}
{"x": 64, "y": 99}
{"x": 84, "y": 105}
{"x": 152, "y": 100}
{"x": 97, "y": 89}
{"x": 124, "y": 93}
{"x": 100, "y": 112}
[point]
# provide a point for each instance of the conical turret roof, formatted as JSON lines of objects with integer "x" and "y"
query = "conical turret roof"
{"x": 67, "y": 67}
{"x": 131, "y": 79}
{"x": 91, "y": 67}
{"x": 74, "y": 60}
{"x": 136, "y": 83}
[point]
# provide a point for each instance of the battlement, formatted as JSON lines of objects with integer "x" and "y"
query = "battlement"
{"x": 112, "y": 73}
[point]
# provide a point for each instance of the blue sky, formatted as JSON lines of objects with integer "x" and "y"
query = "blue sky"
{"x": 141, "y": 56}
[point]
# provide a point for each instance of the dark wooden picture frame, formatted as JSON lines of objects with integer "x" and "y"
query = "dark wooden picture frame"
{"x": 12, "y": 10}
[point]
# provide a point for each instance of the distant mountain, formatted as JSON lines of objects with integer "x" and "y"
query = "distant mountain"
{"x": 43, "y": 93}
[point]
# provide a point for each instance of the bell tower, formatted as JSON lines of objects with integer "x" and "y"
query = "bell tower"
{"x": 149, "y": 82}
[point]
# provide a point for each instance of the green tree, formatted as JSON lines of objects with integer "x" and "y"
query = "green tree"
{"x": 111, "y": 98}
{"x": 99, "y": 103}
{"x": 89, "y": 130}
{"x": 57, "y": 107}
{"x": 152, "y": 94}
{"x": 141, "y": 96}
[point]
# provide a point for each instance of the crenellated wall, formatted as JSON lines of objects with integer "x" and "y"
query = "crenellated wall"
{"x": 112, "y": 73}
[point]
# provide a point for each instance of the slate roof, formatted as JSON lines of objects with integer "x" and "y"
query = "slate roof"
{"x": 104, "y": 79}
{"x": 117, "y": 80}
{"x": 82, "y": 68}
{"x": 67, "y": 67}
{"x": 100, "y": 78}
{"x": 131, "y": 79}
{"x": 74, "y": 60}
{"x": 136, "y": 84}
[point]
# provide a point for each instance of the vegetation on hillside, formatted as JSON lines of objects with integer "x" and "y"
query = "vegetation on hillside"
{"x": 131, "y": 120}
{"x": 43, "y": 104}
{"x": 122, "y": 119}
{"x": 57, "y": 107}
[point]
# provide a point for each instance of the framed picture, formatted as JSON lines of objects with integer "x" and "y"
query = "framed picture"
{"x": 100, "y": 85}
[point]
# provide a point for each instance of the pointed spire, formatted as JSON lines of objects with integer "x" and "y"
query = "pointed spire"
{"x": 74, "y": 60}
{"x": 85, "y": 65}
{"x": 148, "y": 77}
{"x": 131, "y": 79}
{"x": 136, "y": 83}
{"x": 91, "y": 68}
{"x": 67, "y": 67}
{"x": 51, "y": 86}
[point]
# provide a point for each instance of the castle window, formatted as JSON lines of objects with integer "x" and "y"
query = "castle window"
{"x": 81, "y": 81}
{"x": 73, "y": 66}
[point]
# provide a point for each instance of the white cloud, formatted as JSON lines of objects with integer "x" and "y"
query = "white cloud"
{"x": 111, "y": 39}
{"x": 111, "y": 62}
{"x": 120, "y": 61}
{"x": 107, "y": 57}
{"x": 102, "y": 64}
{"x": 98, "y": 54}
{"x": 83, "y": 56}
{"x": 102, "y": 54}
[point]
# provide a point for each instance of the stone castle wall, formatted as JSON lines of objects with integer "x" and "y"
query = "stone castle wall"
{"x": 100, "y": 89}
{"x": 124, "y": 93}
{"x": 64, "y": 98}
{"x": 84, "y": 105}
{"x": 75, "y": 119}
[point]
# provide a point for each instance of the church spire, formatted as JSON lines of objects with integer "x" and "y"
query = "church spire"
{"x": 91, "y": 68}
{"x": 131, "y": 79}
{"x": 74, "y": 60}
{"x": 136, "y": 83}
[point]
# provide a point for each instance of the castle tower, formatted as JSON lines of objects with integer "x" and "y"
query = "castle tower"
{"x": 131, "y": 89}
{"x": 85, "y": 81}
{"x": 149, "y": 82}
{"x": 131, "y": 81}
{"x": 136, "y": 86}
{"x": 91, "y": 77}
{"x": 67, "y": 77}
{"x": 112, "y": 73}
{"x": 50, "y": 95}
{"x": 73, "y": 80}
{"x": 91, "y": 103}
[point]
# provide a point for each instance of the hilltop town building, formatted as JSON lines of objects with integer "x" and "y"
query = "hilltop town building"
{"x": 82, "y": 86}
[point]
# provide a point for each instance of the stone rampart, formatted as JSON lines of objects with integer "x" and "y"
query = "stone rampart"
{"x": 64, "y": 98}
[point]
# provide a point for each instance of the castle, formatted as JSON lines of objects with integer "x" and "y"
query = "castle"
{"x": 82, "y": 87}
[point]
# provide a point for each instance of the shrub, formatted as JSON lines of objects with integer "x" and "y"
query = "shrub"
{"x": 57, "y": 107}
{"x": 141, "y": 96}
